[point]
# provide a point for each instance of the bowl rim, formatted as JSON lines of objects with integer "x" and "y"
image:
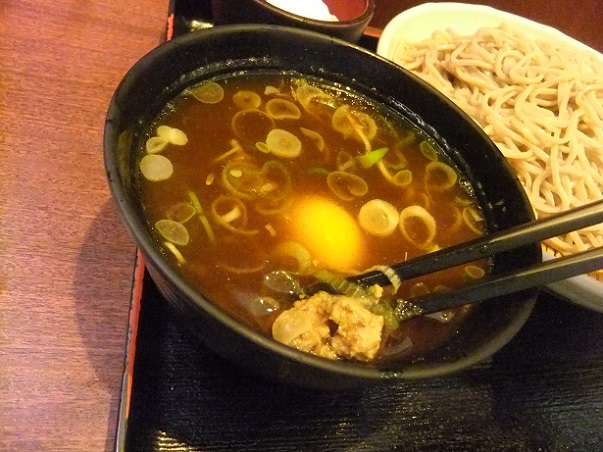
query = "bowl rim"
{"x": 147, "y": 245}
{"x": 418, "y": 22}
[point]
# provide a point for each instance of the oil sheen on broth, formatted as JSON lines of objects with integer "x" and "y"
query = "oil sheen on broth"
{"x": 252, "y": 184}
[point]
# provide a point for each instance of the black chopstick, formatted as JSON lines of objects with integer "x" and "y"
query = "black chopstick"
{"x": 490, "y": 244}
{"x": 535, "y": 275}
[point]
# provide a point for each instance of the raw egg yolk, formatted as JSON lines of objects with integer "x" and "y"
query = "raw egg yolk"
{"x": 330, "y": 233}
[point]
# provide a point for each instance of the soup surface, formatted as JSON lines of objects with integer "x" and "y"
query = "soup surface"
{"x": 254, "y": 185}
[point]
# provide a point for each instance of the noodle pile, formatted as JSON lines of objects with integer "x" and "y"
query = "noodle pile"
{"x": 540, "y": 102}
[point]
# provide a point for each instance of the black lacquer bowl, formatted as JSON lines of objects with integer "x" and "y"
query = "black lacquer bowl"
{"x": 355, "y": 16}
{"x": 186, "y": 60}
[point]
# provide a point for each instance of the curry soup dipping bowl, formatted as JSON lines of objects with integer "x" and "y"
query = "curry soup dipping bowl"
{"x": 248, "y": 49}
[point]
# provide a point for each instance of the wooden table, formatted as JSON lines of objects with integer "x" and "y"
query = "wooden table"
{"x": 65, "y": 259}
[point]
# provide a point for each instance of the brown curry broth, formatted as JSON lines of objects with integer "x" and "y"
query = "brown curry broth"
{"x": 209, "y": 135}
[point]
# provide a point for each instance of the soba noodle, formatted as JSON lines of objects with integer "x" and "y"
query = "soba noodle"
{"x": 541, "y": 102}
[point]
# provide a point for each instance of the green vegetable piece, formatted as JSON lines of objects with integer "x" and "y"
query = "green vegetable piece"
{"x": 403, "y": 178}
{"x": 282, "y": 109}
{"x": 246, "y": 100}
{"x": 196, "y": 204}
{"x": 262, "y": 147}
{"x": 318, "y": 170}
{"x": 173, "y": 232}
{"x": 439, "y": 176}
{"x": 347, "y": 186}
{"x": 370, "y": 158}
{"x": 283, "y": 143}
{"x": 353, "y": 123}
{"x": 181, "y": 212}
{"x": 208, "y": 93}
{"x": 378, "y": 217}
{"x": 172, "y": 135}
{"x": 202, "y": 217}
{"x": 307, "y": 94}
{"x": 156, "y": 168}
{"x": 316, "y": 138}
{"x": 385, "y": 310}
{"x": 428, "y": 151}
{"x": 156, "y": 144}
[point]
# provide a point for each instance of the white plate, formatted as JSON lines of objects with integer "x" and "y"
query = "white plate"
{"x": 419, "y": 22}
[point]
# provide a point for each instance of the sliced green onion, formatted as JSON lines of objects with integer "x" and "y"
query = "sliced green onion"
{"x": 474, "y": 219}
{"x": 473, "y": 272}
{"x": 283, "y": 143}
{"x": 464, "y": 199}
{"x": 251, "y": 126}
{"x": 172, "y": 135}
{"x": 401, "y": 164}
{"x": 356, "y": 124}
{"x": 271, "y": 90}
{"x": 231, "y": 216}
{"x": 345, "y": 161}
{"x": 176, "y": 252}
{"x": 181, "y": 212}
{"x": 156, "y": 144}
{"x": 173, "y": 232}
{"x": 439, "y": 176}
{"x": 347, "y": 186}
{"x": 428, "y": 151}
{"x": 369, "y": 159}
{"x": 196, "y": 202}
{"x": 296, "y": 252}
{"x": 282, "y": 109}
{"x": 385, "y": 310}
{"x": 307, "y": 94}
{"x": 246, "y": 100}
{"x": 236, "y": 211}
{"x": 344, "y": 286}
{"x": 390, "y": 274}
{"x": 318, "y": 170}
{"x": 316, "y": 138}
{"x": 208, "y": 229}
{"x": 204, "y": 221}
{"x": 262, "y": 147}
{"x": 402, "y": 178}
{"x": 378, "y": 217}
{"x": 208, "y": 93}
{"x": 236, "y": 147}
{"x": 410, "y": 137}
{"x": 156, "y": 167}
{"x": 418, "y": 226}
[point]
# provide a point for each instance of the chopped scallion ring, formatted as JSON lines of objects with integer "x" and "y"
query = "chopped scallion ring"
{"x": 209, "y": 92}
{"x": 156, "y": 168}
{"x": 156, "y": 144}
{"x": 378, "y": 217}
{"x": 173, "y": 232}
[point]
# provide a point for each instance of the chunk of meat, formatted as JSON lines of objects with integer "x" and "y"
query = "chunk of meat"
{"x": 331, "y": 326}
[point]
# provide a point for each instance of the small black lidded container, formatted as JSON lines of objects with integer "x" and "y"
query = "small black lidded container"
{"x": 354, "y": 16}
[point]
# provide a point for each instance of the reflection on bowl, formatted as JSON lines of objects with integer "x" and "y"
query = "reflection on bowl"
{"x": 344, "y": 19}
{"x": 216, "y": 54}
{"x": 418, "y": 23}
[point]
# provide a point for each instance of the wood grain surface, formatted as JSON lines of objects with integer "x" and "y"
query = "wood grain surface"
{"x": 65, "y": 259}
